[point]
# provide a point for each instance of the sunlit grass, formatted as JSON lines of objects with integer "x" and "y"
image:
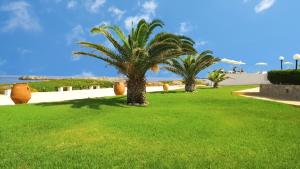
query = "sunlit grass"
{"x": 207, "y": 129}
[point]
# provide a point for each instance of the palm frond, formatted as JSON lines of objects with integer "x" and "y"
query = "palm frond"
{"x": 154, "y": 24}
{"x": 104, "y": 50}
{"x": 103, "y": 30}
{"x": 142, "y": 32}
{"x": 189, "y": 66}
{"x": 109, "y": 61}
{"x": 120, "y": 34}
{"x": 164, "y": 37}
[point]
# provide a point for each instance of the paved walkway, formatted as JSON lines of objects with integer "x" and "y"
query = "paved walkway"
{"x": 44, "y": 97}
{"x": 254, "y": 93}
{"x": 247, "y": 91}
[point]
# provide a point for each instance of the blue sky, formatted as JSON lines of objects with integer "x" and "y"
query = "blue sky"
{"x": 38, "y": 36}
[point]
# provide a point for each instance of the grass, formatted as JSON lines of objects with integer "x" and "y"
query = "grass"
{"x": 207, "y": 129}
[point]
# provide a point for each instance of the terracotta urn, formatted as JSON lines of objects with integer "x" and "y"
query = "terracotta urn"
{"x": 166, "y": 87}
{"x": 155, "y": 68}
{"x": 20, "y": 93}
{"x": 119, "y": 88}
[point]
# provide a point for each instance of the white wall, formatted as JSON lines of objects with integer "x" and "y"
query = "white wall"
{"x": 245, "y": 79}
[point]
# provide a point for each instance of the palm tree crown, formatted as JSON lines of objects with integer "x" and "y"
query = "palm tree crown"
{"x": 189, "y": 67}
{"x": 136, "y": 53}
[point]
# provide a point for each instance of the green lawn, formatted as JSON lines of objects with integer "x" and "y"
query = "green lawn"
{"x": 207, "y": 129}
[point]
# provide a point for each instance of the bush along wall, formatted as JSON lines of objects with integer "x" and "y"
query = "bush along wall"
{"x": 77, "y": 84}
{"x": 286, "y": 77}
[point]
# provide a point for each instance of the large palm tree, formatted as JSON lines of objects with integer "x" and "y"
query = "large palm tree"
{"x": 189, "y": 67}
{"x": 135, "y": 54}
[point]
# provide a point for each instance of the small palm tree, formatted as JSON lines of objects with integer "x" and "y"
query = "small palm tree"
{"x": 189, "y": 67}
{"x": 135, "y": 54}
{"x": 216, "y": 77}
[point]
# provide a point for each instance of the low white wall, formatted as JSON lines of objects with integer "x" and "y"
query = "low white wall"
{"x": 245, "y": 79}
{"x": 44, "y": 97}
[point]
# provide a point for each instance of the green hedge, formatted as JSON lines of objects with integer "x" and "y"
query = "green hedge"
{"x": 289, "y": 77}
{"x": 52, "y": 85}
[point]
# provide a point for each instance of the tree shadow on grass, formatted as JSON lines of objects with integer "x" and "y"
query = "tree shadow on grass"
{"x": 205, "y": 88}
{"x": 169, "y": 92}
{"x": 90, "y": 103}
{"x": 183, "y": 91}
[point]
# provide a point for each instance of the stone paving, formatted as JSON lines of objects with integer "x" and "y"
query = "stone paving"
{"x": 254, "y": 93}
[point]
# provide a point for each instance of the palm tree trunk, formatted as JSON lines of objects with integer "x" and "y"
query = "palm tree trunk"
{"x": 216, "y": 85}
{"x": 190, "y": 85}
{"x": 136, "y": 91}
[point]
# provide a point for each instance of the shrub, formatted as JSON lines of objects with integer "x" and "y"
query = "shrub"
{"x": 289, "y": 77}
{"x": 4, "y": 87}
{"x": 201, "y": 82}
{"x": 52, "y": 85}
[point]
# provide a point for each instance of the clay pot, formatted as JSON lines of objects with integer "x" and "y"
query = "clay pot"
{"x": 119, "y": 88}
{"x": 155, "y": 68}
{"x": 166, "y": 87}
{"x": 20, "y": 93}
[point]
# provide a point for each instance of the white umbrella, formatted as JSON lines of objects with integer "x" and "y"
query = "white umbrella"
{"x": 261, "y": 64}
{"x": 240, "y": 63}
{"x": 288, "y": 63}
{"x": 225, "y": 60}
{"x": 232, "y": 62}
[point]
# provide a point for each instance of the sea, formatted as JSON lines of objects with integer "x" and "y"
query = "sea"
{"x": 12, "y": 80}
{"x": 15, "y": 79}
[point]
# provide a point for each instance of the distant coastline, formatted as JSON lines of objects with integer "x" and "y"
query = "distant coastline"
{"x": 68, "y": 77}
{"x": 7, "y": 79}
{"x": 11, "y": 79}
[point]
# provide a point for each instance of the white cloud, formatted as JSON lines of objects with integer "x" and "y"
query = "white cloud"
{"x": 93, "y": 6}
{"x": 20, "y": 17}
{"x": 201, "y": 43}
{"x": 264, "y": 5}
{"x": 86, "y": 74}
{"x": 75, "y": 58}
{"x": 104, "y": 23}
{"x": 24, "y": 51}
{"x": 133, "y": 20}
{"x": 71, "y": 4}
{"x": 185, "y": 27}
{"x": 118, "y": 13}
{"x": 150, "y": 7}
{"x": 147, "y": 12}
{"x": 100, "y": 24}
{"x": 77, "y": 33}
